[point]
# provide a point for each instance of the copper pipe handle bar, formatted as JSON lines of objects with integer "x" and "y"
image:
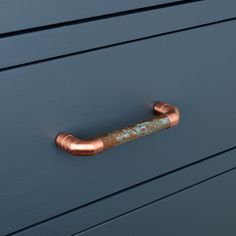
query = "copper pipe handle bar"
{"x": 166, "y": 116}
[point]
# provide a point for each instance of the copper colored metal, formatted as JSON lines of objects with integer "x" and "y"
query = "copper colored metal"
{"x": 167, "y": 116}
{"x": 170, "y": 111}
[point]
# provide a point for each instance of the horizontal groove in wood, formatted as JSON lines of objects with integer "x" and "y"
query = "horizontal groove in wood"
{"x": 41, "y": 97}
{"x": 113, "y": 45}
{"x": 20, "y": 15}
{"x": 126, "y": 201}
{"x": 44, "y": 45}
{"x": 97, "y": 18}
{"x": 207, "y": 206}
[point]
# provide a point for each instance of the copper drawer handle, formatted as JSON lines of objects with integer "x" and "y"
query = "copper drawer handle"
{"x": 166, "y": 116}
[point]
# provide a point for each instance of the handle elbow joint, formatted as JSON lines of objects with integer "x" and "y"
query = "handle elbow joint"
{"x": 170, "y": 111}
{"x": 75, "y": 146}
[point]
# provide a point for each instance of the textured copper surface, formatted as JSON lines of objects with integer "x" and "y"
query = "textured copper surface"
{"x": 167, "y": 116}
{"x": 135, "y": 131}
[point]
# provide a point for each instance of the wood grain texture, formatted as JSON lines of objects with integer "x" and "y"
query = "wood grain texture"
{"x": 195, "y": 70}
{"x": 56, "y": 42}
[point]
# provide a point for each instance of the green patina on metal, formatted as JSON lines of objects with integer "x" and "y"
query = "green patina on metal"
{"x": 141, "y": 129}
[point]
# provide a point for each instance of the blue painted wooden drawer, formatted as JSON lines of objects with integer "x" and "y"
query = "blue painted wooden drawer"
{"x": 61, "y": 40}
{"x": 90, "y": 68}
{"x": 99, "y": 215}
{"x": 205, "y": 209}
{"x": 96, "y": 92}
{"x": 29, "y": 14}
